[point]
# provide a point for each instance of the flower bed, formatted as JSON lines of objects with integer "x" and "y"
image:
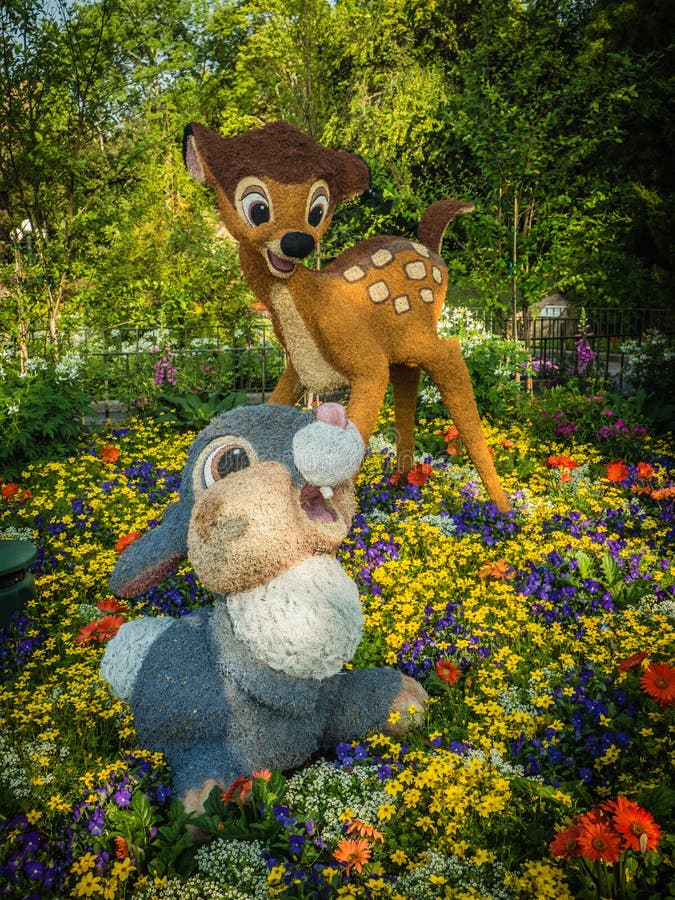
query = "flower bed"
{"x": 545, "y": 638}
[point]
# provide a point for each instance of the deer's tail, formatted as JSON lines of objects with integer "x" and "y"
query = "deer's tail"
{"x": 436, "y": 218}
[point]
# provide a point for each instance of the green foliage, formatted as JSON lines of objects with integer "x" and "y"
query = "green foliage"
{"x": 42, "y": 415}
{"x": 191, "y": 412}
{"x": 495, "y": 365}
{"x": 248, "y": 813}
{"x": 651, "y": 374}
{"x": 611, "y": 422}
{"x": 548, "y": 115}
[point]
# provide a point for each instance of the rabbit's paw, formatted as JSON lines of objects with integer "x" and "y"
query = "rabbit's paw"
{"x": 407, "y": 708}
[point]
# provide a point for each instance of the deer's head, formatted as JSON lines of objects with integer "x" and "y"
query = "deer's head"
{"x": 276, "y": 187}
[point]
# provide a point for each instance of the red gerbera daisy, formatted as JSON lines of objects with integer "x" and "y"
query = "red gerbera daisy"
{"x": 87, "y": 634}
{"x": 108, "y": 627}
{"x": 617, "y": 471}
{"x": 635, "y": 825}
{"x": 599, "y": 841}
{"x": 125, "y": 540}
{"x": 566, "y": 843}
{"x": 447, "y": 671}
{"x": 658, "y": 680}
{"x": 111, "y": 605}
{"x": 644, "y": 471}
{"x": 238, "y": 791}
{"x": 419, "y": 474}
{"x": 561, "y": 462}
{"x": 632, "y": 661}
{"x": 110, "y": 454}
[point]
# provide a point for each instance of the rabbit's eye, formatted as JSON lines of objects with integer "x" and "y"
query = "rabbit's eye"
{"x": 222, "y": 461}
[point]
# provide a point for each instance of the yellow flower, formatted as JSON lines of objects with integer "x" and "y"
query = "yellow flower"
{"x": 385, "y": 811}
{"x": 83, "y": 864}
{"x": 88, "y": 886}
{"x": 122, "y": 869}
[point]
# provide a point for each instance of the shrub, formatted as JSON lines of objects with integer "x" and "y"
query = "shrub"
{"x": 493, "y": 364}
{"x": 651, "y": 374}
{"x": 42, "y": 414}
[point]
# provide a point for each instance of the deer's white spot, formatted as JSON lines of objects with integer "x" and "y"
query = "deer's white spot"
{"x": 354, "y": 273}
{"x": 378, "y": 291}
{"x": 381, "y": 257}
{"x": 416, "y": 270}
{"x": 401, "y": 303}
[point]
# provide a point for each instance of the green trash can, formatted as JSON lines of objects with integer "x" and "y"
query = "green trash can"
{"x": 16, "y": 582}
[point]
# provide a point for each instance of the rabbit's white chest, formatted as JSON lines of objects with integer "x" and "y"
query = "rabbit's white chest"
{"x": 307, "y": 622}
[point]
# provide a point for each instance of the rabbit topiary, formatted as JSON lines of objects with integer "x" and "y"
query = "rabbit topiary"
{"x": 255, "y": 681}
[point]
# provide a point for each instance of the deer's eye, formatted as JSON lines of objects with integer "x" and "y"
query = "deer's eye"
{"x": 224, "y": 460}
{"x": 318, "y": 210}
{"x": 256, "y": 208}
{"x": 318, "y": 203}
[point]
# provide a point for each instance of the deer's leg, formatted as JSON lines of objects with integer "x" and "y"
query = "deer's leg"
{"x": 444, "y": 362}
{"x": 288, "y": 389}
{"x": 366, "y": 396}
{"x": 405, "y": 382}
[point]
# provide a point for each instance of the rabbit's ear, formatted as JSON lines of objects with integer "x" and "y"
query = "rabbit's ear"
{"x": 149, "y": 560}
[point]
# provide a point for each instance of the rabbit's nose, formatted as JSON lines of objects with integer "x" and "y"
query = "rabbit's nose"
{"x": 328, "y": 451}
{"x": 332, "y": 414}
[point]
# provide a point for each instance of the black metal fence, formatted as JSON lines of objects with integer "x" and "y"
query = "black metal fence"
{"x": 559, "y": 336}
{"x": 129, "y": 364}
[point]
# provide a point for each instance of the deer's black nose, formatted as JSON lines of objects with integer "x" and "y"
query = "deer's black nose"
{"x": 297, "y": 244}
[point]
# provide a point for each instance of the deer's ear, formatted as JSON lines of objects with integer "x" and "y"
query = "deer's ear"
{"x": 352, "y": 175}
{"x": 191, "y": 157}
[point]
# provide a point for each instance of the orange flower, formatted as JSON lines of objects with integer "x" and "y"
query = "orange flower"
{"x": 10, "y": 490}
{"x": 451, "y": 433}
{"x": 453, "y": 450}
{"x": 447, "y": 671}
{"x": 108, "y": 627}
{"x": 365, "y": 831}
{"x": 499, "y": 570}
{"x": 566, "y": 843}
{"x": 663, "y": 493}
{"x": 100, "y": 630}
{"x": 110, "y": 454}
{"x": 658, "y": 680}
{"x": 111, "y": 605}
{"x": 507, "y": 444}
{"x": 238, "y": 791}
{"x": 353, "y": 853}
{"x": 598, "y": 841}
{"x": 644, "y": 471}
{"x": 419, "y": 474}
{"x": 561, "y": 462}
{"x": 635, "y": 825}
{"x": 265, "y": 774}
{"x": 121, "y": 848}
{"x": 632, "y": 661}
{"x": 616, "y": 471}
{"x": 87, "y": 634}
{"x": 565, "y": 477}
{"x": 395, "y": 477}
{"x": 125, "y": 540}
